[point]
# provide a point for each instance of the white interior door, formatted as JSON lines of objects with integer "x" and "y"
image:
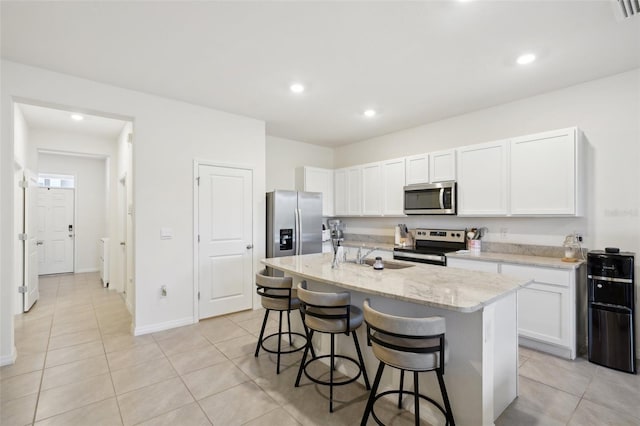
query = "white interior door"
{"x": 225, "y": 216}
{"x": 30, "y": 246}
{"x": 56, "y": 230}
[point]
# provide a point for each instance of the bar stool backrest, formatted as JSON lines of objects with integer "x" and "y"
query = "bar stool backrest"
{"x": 325, "y": 312}
{"x": 399, "y": 339}
{"x": 276, "y": 292}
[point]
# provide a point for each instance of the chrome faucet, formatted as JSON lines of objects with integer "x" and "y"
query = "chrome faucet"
{"x": 360, "y": 257}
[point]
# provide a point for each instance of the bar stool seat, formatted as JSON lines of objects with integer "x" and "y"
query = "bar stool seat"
{"x": 408, "y": 344}
{"x": 330, "y": 313}
{"x": 277, "y": 294}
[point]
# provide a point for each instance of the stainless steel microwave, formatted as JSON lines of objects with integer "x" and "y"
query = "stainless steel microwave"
{"x": 430, "y": 198}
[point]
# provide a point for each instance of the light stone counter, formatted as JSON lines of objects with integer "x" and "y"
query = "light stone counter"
{"x": 447, "y": 288}
{"x": 519, "y": 259}
{"x": 480, "y": 310}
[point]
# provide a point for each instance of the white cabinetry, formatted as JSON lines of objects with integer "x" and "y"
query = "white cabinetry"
{"x": 482, "y": 179}
{"x": 340, "y": 192}
{"x": 315, "y": 179}
{"x": 354, "y": 191}
{"x": 103, "y": 260}
{"x": 393, "y": 182}
{"x": 442, "y": 166}
{"x": 544, "y": 173}
{"x": 417, "y": 169}
{"x": 546, "y": 307}
{"x": 372, "y": 189}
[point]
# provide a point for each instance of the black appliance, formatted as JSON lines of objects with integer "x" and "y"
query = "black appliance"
{"x": 611, "y": 302}
{"x": 431, "y": 246}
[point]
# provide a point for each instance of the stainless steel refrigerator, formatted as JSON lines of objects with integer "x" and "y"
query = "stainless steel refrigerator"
{"x": 294, "y": 223}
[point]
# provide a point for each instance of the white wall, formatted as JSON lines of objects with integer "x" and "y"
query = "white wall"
{"x": 607, "y": 110}
{"x": 90, "y": 202}
{"x": 285, "y": 155}
{"x": 169, "y": 135}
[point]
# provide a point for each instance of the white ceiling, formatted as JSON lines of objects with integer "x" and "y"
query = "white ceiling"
{"x": 38, "y": 117}
{"x": 415, "y": 62}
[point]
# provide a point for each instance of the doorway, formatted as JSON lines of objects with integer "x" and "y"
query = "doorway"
{"x": 225, "y": 239}
{"x": 93, "y": 150}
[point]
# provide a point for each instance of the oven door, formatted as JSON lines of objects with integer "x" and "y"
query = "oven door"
{"x": 436, "y": 198}
{"x": 431, "y": 259}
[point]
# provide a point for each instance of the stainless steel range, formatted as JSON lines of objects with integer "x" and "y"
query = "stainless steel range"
{"x": 431, "y": 245}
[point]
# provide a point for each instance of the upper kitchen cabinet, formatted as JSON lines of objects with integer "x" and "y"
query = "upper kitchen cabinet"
{"x": 340, "y": 192}
{"x": 482, "y": 179}
{"x": 372, "y": 189}
{"x": 417, "y": 169}
{"x": 545, "y": 173}
{"x": 442, "y": 166}
{"x": 354, "y": 191}
{"x": 315, "y": 179}
{"x": 393, "y": 182}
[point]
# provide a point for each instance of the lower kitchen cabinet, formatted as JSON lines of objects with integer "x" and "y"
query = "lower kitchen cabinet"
{"x": 547, "y": 308}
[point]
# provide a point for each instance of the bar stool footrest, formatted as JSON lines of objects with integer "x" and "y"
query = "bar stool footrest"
{"x": 322, "y": 382}
{"x": 408, "y": 393}
{"x": 283, "y": 334}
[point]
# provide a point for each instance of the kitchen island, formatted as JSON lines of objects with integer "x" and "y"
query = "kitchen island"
{"x": 481, "y": 319}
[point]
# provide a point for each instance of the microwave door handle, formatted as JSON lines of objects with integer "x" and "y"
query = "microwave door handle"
{"x": 442, "y": 198}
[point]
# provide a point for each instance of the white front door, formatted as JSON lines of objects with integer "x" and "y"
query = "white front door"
{"x": 225, "y": 218}
{"x": 30, "y": 246}
{"x": 56, "y": 229}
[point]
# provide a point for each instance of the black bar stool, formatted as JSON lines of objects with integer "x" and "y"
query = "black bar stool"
{"x": 408, "y": 344}
{"x": 277, "y": 295}
{"x": 330, "y": 313}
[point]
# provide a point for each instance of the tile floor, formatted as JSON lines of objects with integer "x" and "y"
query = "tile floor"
{"x": 78, "y": 365}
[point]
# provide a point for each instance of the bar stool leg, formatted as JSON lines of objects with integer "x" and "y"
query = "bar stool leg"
{"x": 364, "y": 370}
{"x": 372, "y": 395}
{"x": 445, "y": 398}
{"x": 304, "y": 355}
{"x": 264, "y": 324}
{"x": 331, "y": 368}
{"x": 417, "y": 397}
{"x": 279, "y": 342}
{"x": 401, "y": 385}
{"x": 289, "y": 323}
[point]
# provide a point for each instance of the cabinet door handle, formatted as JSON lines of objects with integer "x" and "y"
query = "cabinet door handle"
{"x": 39, "y": 242}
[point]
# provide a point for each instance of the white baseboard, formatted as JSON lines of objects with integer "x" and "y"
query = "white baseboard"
{"x": 152, "y": 328}
{"x": 87, "y": 270}
{"x": 9, "y": 359}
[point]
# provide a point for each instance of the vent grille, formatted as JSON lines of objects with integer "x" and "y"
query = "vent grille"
{"x": 627, "y": 8}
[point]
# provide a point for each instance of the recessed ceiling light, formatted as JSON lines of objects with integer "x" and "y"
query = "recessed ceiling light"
{"x": 296, "y": 88}
{"x": 77, "y": 117}
{"x": 525, "y": 59}
{"x": 370, "y": 113}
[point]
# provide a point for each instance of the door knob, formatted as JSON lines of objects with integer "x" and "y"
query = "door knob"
{"x": 249, "y": 246}
{"x": 122, "y": 243}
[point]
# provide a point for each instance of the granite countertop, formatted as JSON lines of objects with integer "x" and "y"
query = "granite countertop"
{"x": 448, "y": 288}
{"x": 519, "y": 259}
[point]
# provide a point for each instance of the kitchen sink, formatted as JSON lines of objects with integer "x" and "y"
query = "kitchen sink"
{"x": 388, "y": 264}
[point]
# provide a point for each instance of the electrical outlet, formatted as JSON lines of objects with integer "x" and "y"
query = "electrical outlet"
{"x": 503, "y": 233}
{"x": 578, "y": 237}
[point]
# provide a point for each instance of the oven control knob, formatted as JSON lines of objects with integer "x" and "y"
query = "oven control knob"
{"x": 599, "y": 286}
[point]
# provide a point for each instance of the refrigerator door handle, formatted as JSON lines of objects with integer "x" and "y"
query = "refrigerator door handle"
{"x": 297, "y": 231}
